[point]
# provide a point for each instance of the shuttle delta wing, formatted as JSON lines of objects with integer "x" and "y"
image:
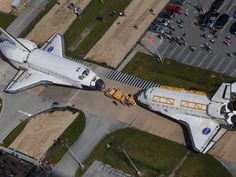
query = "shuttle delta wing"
{"x": 55, "y": 45}
{"x": 204, "y": 133}
{"x": 31, "y": 78}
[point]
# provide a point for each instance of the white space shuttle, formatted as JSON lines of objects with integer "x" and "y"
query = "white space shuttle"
{"x": 45, "y": 65}
{"x": 207, "y": 119}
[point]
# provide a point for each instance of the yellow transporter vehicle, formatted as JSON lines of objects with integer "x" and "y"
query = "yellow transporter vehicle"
{"x": 121, "y": 96}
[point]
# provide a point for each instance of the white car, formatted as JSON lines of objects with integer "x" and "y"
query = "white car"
{"x": 161, "y": 21}
{"x": 212, "y": 20}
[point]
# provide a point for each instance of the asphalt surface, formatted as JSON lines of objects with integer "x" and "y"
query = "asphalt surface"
{"x": 217, "y": 60}
{"x": 99, "y": 169}
{"x": 26, "y": 17}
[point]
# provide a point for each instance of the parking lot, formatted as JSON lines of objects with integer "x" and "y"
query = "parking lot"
{"x": 220, "y": 57}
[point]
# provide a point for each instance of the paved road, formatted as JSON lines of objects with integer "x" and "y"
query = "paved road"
{"x": 218, "y": 61}
{"x": 17, "y": 108}
{"x": 96, "y": 129}
{"x": 26, "y": 17}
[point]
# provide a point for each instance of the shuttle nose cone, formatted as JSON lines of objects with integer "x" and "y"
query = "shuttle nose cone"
{"x": 100, "y": 85}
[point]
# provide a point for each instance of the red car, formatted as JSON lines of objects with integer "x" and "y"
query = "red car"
{"x": 174, "y": 8}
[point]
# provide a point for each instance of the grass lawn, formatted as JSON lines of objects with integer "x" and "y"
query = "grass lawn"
{"x": 176, "y": 74}
{"x": 70, "y": 135}
{"x": 86, "y": 31}
{"x": 50, "y": 4}
{"x": 14, "y": 133}
{"x": 199, "y": 165}
{"x": 6, "y": 19}
{"x": 151, "y": 154}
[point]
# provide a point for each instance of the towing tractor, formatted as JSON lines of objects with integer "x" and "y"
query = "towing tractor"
{"x": 121, "y": 96}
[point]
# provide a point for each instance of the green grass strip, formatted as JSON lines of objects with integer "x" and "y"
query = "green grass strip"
{"x": 86, "y": 31}
{"x": 6, "y": 20}
{"x": 14, "y": 133}
{"x": 201, "y": 165}
{"x": 175, "y": 74}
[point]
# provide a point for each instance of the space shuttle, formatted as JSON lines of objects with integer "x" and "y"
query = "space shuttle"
{"x": 207, "y": 119}
{"x": 45, "y": 65}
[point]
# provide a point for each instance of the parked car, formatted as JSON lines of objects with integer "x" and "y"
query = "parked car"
{"x": 212, "y": 20}
{"x": 174, "y": 8}
{"x": 204, "y": 18}
{"x": 221, "y": 21}
{"x": 233, "y": 29}
{"x": 178, "y": 2}
{"x": 156, "y": 28}
{"x": 216, "y": 5}
{"x": 161, "y": 21}
{"x": 234, "y": 15}
{"x": 166, "y": 14}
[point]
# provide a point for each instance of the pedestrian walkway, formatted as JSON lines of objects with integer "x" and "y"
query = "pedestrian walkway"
{"x": 129, "y": 79}
{"x": 119, "y": 76}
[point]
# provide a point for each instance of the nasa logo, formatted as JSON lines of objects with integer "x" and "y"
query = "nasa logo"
{"x": 50, "y": 49}
{"x": 206, "y": 131}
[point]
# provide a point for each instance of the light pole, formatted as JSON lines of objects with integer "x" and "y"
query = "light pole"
{"x": 130, "y": 161}
{"x": 155, "y": 53}
{"x": 72, "y": 154}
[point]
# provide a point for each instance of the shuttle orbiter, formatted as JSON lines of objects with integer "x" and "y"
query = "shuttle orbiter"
{"x": 45, "y": 65}
{"x": 207, "y": 119}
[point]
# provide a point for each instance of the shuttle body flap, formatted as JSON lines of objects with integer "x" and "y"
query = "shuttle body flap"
{"x": 25, "y": 79}
{"x": 55, "y": 45}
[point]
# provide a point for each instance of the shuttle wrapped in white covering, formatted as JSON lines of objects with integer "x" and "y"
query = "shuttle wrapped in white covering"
{"x": 206, "y": 119}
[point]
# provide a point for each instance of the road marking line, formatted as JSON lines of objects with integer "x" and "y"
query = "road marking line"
{"x": 211, "y": 62}
{"x": 187, "y": 57}
{"x": 195, "y": 58}
{"x": 233, "y": 72}
{"x": 228, "y": 65}
{"x": 177, "y": 57}
{"x": 165, "y": 49}
{"x": 227, "y": 11}
{"x": 226, "y": 25}
{"x": 25, "y": 113}
{"x": 173, "y": 50}
{"x": 203, "y": 59}
{"x": 221, "y": 7}
{"x": 219, "y": 63}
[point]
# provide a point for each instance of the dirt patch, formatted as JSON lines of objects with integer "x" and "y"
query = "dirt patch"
{"x": 5, "y": 6}
{"x": 41, "y": 131}
{"x": 57, "y": 20}
{"x": 125, "y": 32}
{"x": 225, "y": 147}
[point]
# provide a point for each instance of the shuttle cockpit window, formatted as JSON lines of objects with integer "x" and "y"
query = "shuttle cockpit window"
{"x": 84, "y": 74}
